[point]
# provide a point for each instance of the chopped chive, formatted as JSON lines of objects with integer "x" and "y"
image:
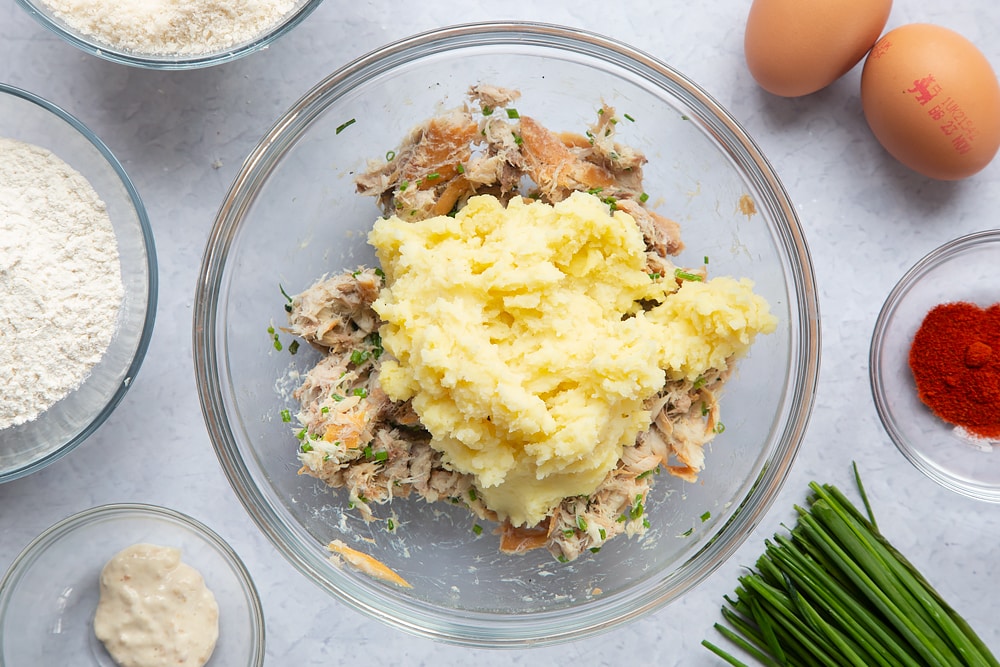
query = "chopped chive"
{"x": 293, "y": 347}
{"x": 512, "y": 113}
{"x": 433, "y": 176}
{"x": 403, "y": 185}
{"x": 629, "y": 118}
{"x": 706, "y": 516}
{"x": 368, "y": 451}
{"x": 687, "y": 533}
{"x": 603, "y": 533}
{"x": 344, "y": 126}
{"x": 487, "y": 110}
{"x": 581, "y": 523}
{"x": 569, "y": 532}
{"x": 518, "y": 140}
{"x": 301, "y": 434}
{"x": 274, "y": 337}
{"x": 655, "y": 276}
{"x": 358, "y": 357}
{"x": 643, "y": 198}
{"x": 325, "y": 409}
{"x": 337, "y": 397}
{"x": 706, "y": 259}
{"x": 284, "y": 293}
{"x": 361, "y": 392}
{"x": 594, "y": 191}
{"x": 704, "y": 408}
{"x": 472, "y": 495}
{"x": 460, "y": 168}
{"x": 286, "y": 415}
{"x": 306, "y": 447}
{"x": 390, "y": 524}
{"x": 646, "y": 473}
{"x": 477, "y": 529}
{"x": 687, "y": 275}
{"x": 376, "y": 342}
{"x": 719, "y": 427}
{"x": 382, "y": 456}
{"x": 390, "y": 156}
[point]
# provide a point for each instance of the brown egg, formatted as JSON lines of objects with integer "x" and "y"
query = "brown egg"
{"x": 932, "y": 100}
{"x": 796, "y": 47}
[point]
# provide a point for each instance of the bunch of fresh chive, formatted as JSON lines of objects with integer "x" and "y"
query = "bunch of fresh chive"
{"x": 835, "y": 592}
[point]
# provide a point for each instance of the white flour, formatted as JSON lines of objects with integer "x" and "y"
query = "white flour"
{"x": 171, "y": 27}
{"x": 60, "y": 280}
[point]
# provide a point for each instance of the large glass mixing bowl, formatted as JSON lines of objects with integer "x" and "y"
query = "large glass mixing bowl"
{"x": 293, "y": 215}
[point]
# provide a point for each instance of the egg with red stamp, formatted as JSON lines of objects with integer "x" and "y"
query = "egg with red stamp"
{"x": 795, "y": 48}
{"x": 932, "y": 100}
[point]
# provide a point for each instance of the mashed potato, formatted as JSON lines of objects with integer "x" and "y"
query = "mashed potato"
{"x": 528, "y": 338}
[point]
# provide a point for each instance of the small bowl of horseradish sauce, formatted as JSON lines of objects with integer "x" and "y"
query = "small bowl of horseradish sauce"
{"x": 129, "y": 584}
{"x": 78, "y": 282}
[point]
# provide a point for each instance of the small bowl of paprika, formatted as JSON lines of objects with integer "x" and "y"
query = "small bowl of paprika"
{"x": 935, "y": 365}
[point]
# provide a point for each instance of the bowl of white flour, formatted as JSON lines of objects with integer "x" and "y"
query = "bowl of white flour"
{"x": 77, "y": 282}
{"x": 170, "y": 34}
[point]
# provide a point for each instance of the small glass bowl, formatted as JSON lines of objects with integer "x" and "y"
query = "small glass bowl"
{"x": 966, "y": 269}
{"x": 49, "y": 595}
{"x": 28, "y": 447}
{"x": 45, "y": 15}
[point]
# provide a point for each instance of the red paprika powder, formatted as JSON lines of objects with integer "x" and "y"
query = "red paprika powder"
{"x": 955, "y": 360}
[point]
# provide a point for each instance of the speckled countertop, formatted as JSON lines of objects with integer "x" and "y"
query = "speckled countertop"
{"x": 182, "y": 136}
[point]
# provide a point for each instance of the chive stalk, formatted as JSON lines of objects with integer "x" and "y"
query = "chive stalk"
{"x": 834, "y": 591}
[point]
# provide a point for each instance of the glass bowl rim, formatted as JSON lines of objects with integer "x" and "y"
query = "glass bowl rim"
{"x": 167, "y": 62}
{"x": 483, "y": 629}
{"x": 152, "y": 290}
{"x": 80, "y": 519}
{"x": 899, "y": 292}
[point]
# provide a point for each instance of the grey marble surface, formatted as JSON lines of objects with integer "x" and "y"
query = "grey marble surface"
{"x": 183, "y": 135}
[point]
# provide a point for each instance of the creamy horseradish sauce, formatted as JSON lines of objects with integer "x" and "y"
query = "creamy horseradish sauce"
{"x": 155, "y": 610}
